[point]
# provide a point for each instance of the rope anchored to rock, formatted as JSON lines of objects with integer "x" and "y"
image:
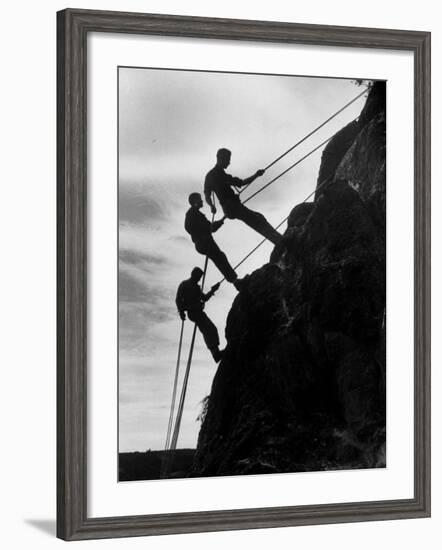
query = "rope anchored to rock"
{"x": 312, "y": 132}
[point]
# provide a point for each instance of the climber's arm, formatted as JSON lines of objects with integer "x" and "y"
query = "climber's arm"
{"x": 208, "y": 193}
{"x": 206, "y": 297}
{"x": 179, "y": 300}
{"x": 216, "y": 225}
{"x": 251, "y": 179}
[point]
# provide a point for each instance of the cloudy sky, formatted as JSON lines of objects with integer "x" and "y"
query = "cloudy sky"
{"x": 171, "y": 124}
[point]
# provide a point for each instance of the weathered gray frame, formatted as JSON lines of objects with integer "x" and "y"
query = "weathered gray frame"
{"x": 72, "y": 29}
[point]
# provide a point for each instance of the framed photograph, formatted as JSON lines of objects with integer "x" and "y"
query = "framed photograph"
{"x": 243, "y": 274}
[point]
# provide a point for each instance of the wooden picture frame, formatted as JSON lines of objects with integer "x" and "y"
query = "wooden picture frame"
{"x": 73, "y": 27}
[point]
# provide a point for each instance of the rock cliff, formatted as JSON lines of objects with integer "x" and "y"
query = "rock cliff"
{"x": 302, "y": 382}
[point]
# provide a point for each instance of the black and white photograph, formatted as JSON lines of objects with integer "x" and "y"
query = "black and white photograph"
{"x": 251, "y": 274}
{"x": 220, "y": 238}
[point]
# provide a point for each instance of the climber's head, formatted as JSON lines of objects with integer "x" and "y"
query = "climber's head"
{"x": 196, "y": 274}
{"x": 223, "y": 157}
{"x": 195, "y": 200}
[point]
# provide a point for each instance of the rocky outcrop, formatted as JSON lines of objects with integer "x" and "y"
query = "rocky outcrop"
{"x": 302, "y": 382}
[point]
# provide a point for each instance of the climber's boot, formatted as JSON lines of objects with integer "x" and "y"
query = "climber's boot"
{"x": 217, "y": 354}
{"x": 238, "y": 284}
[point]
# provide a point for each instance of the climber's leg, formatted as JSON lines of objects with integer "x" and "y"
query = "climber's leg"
{"x": 209, "y": 248}
{"x": 255, "y": 220}
{"x": 209, "y": 332}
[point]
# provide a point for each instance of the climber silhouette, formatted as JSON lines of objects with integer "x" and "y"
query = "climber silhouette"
{"x": 191, "y": 298}
{"x": 220, "y": 183}
{"x": 200, "y": 230}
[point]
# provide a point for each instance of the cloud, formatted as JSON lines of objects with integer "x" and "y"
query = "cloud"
{"x": 136, "y": 258}
{"x": 136, "y": 205}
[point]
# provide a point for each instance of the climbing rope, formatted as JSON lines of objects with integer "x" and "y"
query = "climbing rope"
{"x": 169, "y": 428}
{"x": 183, "y": 393}
{"x": 186, "y": 375}
{"x": 168, "y": 460}
{"x": 176, "y": 430}
{"x": 311, "y": 133}
{"x": 287, "y": 170}
{"x": 175, "y": 384}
